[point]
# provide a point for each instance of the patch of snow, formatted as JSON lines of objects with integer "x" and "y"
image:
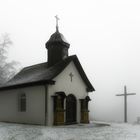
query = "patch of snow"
{"x": 93, "y": 131}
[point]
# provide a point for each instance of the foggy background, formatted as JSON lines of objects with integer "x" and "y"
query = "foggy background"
{"x": 104, "y": 34}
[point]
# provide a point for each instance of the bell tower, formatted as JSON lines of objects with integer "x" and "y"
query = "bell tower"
{"x": 57, "y": 47}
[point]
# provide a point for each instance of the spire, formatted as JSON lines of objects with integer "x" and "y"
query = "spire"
{"x": 57, "y": 23}
{"x": 57, "y": 47}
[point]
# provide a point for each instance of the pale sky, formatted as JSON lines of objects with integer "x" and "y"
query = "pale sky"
{"x": 104, "y": 34}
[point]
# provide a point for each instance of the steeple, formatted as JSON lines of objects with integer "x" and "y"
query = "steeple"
{"x": 57, "y": 47}
{"x": 57, "y": 18}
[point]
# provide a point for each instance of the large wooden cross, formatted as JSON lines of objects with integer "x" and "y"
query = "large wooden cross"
{"x": 125, "y": 102}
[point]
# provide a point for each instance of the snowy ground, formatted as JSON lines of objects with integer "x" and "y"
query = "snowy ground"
{"x": 72, "y": 132}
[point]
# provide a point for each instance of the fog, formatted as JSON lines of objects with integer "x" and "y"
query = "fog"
{"x": 104, "y": 34}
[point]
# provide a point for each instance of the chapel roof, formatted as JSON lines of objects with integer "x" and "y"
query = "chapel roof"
{"x": 57, "y": 37}
{"x": 42, "y": 74}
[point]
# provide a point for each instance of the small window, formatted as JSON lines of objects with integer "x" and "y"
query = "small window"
{"x": 22, "y": 102}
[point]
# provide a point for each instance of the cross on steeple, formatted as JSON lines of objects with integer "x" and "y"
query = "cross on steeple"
{"x": 57, "y": 18}
{"x": 125, "y": 102}
{"x": 71, "y": 76}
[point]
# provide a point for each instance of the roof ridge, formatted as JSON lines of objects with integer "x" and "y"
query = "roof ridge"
{"x": 34, "y": 65}
{"x": 23, "y": 69}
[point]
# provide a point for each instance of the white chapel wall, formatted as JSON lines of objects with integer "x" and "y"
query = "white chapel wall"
{"x": 63, "y": 83}
{"x": 35, "y": 105}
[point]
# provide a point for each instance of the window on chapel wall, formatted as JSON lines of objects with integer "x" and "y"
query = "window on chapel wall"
{"x": 22, "y": 102}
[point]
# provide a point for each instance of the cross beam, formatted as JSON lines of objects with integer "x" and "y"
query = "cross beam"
{"x": 125, "y": 102}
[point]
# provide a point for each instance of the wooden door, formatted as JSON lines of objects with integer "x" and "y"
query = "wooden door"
{"x": 71, "y": 109}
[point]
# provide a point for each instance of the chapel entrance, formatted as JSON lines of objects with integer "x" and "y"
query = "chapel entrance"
{"x": 71, "y": 109}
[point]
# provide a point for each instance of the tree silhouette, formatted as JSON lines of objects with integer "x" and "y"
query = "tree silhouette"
{"x": 7, "y": 69}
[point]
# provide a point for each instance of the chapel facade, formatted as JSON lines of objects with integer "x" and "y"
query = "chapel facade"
{"x": 49, "y": 93}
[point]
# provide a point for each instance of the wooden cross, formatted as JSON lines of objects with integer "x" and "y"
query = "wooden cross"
{"x": 125, "y": 102}
{"x": 57, "y": 22}
{"x": 71, "y": 76}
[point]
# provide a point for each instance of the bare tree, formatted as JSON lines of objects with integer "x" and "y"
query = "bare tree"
{"x": 7, "y": 69}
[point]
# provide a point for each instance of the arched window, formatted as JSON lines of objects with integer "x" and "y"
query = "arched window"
{"x": 22, "y": 102}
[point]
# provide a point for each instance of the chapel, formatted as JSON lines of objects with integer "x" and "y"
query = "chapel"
{"x": 50, "y": 93}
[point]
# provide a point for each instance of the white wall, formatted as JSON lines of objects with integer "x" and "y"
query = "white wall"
{"x": 35, "y": 109}
{"x": 63, "y": 83}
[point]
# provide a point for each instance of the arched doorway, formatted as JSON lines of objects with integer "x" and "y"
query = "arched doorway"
{"x": 71, "y": 109}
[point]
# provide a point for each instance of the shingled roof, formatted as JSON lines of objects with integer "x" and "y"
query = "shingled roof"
{"x": 57, "y": 37}
{"x": 42, "y": 74}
